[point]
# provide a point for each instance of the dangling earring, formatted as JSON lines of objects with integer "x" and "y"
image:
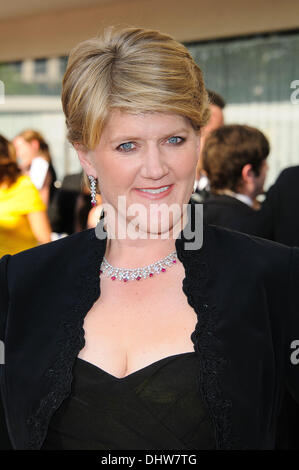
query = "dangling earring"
{"x": 93, "y": 189}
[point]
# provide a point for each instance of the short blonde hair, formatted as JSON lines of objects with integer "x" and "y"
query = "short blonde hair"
{"x": 132, "y": 69}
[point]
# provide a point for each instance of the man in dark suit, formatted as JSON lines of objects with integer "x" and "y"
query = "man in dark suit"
{"x": 234, "y": 158}
{"x": 71, "y": 205}
{"x": 280, "y": 208}
{"x": 201, "y": 184}
{"x": 279, "y": 216}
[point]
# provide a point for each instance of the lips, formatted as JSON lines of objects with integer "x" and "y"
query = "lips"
{"x": 155, "y": 193}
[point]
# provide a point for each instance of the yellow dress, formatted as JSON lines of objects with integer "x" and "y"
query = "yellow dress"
{"x": 20, "y": 199}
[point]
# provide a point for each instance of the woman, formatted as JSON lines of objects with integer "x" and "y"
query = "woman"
{"x": 23, "y": 219}
{"x": 194, "y": 357}
{"x": 35, "y": 160}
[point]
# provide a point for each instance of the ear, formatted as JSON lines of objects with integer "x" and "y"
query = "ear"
{"x": 35, "y": 144}
{"x": 85, "y": 159}
{"x": 198, "y": 143}
{"x": 247, "y": 173}
{"x": 199, "y": 156}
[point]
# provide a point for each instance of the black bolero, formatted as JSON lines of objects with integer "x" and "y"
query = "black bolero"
{"x": 244, "y": 290}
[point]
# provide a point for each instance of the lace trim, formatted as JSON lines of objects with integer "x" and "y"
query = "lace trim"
{"x": 71, "y": 341}
{"x": 196, "y": 287}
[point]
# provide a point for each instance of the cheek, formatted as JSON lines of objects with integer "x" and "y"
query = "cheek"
{"x": 187, "y": 165}
{"x": 115, "y": 176}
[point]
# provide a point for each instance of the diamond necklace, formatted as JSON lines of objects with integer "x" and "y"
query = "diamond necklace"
{"x": 124, "y": 274}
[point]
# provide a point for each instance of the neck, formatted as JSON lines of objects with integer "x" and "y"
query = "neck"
{"x": 247, "y": 192}
{"x": 241, "y": 196}
{"x": 140, "y": 252}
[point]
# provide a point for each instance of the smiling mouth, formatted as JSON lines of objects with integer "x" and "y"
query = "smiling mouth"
{"x": 155, "y": 193}
{"x": 154, "y": 190}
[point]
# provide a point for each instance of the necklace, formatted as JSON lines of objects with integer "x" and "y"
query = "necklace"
{"x": 124, "y": 274}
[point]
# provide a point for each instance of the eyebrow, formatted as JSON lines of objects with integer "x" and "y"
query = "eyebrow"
{"x": 129, "y": 138}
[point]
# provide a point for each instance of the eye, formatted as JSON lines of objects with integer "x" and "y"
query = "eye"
{"x": 175, "y": 140}
{"x": 126, "y": 147}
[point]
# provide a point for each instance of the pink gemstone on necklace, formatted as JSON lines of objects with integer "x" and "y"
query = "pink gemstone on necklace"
{"x": 93, "y": 204}
{"x": 101, "y": 271}
{"x": 113, "y": 278}
{"x": 138, "y": 278}
{"x": 163, "y": 270}
{"x": 151, "y": 275}
{"x": 174, "y": 261}
{"x": 125, "y": 280}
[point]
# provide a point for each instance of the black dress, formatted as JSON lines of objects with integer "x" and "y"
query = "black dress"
{"x": 156, "y": 407}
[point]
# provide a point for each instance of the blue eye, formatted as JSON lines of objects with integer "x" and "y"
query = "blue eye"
{"x": 126, "y": 146}
{"x": 175, "y": 140}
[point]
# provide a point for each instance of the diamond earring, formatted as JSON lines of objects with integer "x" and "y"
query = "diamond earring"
{"x": 93, "y": 186}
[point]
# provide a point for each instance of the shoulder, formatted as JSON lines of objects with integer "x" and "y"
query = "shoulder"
{"x": 24, "y": 182}
{"x": 253, "y": 254}
{"x": 222, "y": 239}
{"x": 288, "y": 176}
{"x": 59, "y": 259}
{"x": 290, "y": 172}
{"x": 26, "y": 198}
{"x": 39, "y": 163}
{"x": 23, "y": 188}
{"x": 56, "y": 247}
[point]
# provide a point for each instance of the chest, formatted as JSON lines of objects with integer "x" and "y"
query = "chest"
{"x": 130, "y": 326}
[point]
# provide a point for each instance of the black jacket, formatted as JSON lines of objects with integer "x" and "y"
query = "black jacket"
{"x": 280, "y": 214}
{"x": 244, "y": 290}
{"x": 273, "y": 222}
{"x": 227, "y": 211}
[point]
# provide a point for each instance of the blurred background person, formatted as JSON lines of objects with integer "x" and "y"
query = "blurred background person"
{"x": 23, "y": 218}
{"x": 84, "y": 210}
{"x": 279, "y": 216}
{"x": 235, "y": 160}
{"x": 280, "y": 208}
{"x": 72, "y": 210}
{"x": 34, "y": 159}
{"x": 201, "y": 184}
{"x": 63, "y": 207}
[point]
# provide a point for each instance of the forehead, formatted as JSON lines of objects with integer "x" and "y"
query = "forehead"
{"x": 124, "y": 122}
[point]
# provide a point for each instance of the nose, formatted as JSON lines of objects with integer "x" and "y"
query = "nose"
{"x": 154, "y": 165}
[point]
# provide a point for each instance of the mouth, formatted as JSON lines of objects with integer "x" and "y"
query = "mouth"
{"x": 155, "y": 193}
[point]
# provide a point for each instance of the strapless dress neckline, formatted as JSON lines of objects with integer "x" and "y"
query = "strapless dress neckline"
{"x": 84, "y": 363}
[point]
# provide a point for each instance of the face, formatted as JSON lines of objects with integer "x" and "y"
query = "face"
{"x": 149, "y": 158}
{"x": 25, "y": 152}
{"x": 259, "y": 180}
{"x": 216, "y": 120}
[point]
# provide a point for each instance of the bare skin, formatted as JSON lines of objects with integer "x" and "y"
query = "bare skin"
{"x": 40, "y": 226}
{"x": 138, "y": 323}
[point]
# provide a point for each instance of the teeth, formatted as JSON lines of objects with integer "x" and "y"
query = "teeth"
{"x": 155, "y": 191}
